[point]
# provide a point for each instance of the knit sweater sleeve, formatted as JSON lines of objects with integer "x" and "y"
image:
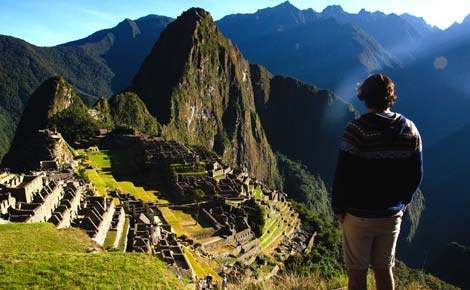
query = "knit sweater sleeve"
{"x": 415, "y": 169}
{"x": 346, "y": 166}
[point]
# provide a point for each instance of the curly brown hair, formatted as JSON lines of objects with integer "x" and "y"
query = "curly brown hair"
{"x": 378, "y": 92}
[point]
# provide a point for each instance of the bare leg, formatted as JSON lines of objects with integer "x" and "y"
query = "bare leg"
{"x": 384, "y": 279}
{"x": 357, "y": 280}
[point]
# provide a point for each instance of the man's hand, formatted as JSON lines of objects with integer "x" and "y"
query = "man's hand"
{"x": 340, "y": 217}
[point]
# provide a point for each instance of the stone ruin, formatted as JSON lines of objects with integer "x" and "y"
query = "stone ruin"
{"x": 150, "y": 233}
{"x": 64, "y": 200}
{"x": 39, "y": 198}
{"x": 165, "y": 153}
{"x": 96, "y": 217}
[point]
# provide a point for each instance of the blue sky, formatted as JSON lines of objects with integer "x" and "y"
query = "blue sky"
{"x": 51, "y": 22}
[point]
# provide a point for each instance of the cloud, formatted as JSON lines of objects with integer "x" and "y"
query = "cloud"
{"x": 97, "y": 14}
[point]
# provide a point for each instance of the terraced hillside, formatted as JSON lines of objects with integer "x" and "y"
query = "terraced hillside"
{"x": 97, "y": 168}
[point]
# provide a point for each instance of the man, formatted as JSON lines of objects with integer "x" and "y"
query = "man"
{"x": 378, "y": 171}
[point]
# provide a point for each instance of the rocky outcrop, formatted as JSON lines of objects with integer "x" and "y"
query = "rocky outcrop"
{"x": 101, "y": 112}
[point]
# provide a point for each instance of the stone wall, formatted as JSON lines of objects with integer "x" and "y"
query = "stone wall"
{"x": 29, "y": 186}
{"x": 119, "y": 227}
{"x": 6, "y": 201}
{"x": 105, "y": 224}
{"x": 51, "y": 199}
{"x": 68, "y": 208}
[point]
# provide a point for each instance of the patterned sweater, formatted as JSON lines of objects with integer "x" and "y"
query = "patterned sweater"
{"x": 379, "y": 166}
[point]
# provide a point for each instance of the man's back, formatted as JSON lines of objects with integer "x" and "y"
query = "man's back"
{"x": 379, "y": 166}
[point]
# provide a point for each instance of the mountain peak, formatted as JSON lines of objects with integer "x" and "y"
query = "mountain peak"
{"x": 283, "y": 7}
{"x": 286, "y": 4}
{"x": 194, "y": 15}
{"x": 167, "y": 60}
{"x": 128, "y": 26}
{"x": 466, "y": 19}
{"x": 333, "y": 10}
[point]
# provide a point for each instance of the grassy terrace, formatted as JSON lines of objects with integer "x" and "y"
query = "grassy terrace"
{"x": 102, "y": 174}
{"x": 47, "y": 258}
{"x": 42, "y": 237}
{"x": 183, "y": 223}
{"x": 200, "y": 266}
{"x": 273, "y": 228}
{"x": 110, "y": 238}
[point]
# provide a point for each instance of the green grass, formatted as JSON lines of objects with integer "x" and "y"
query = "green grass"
{"x": 103, "y": 177}
{"x": 43, "y": 257}
{"x": 109, "y": 240}
{"x": 183, "y": 223}
{"x": 50, "y": 270}
{"x": 273, "y": 228}
{"x": 97, "y": 181}
{"x": 258, "y": 194}
{"x": 200, "y": 267}
{"x": 44, "y": 237}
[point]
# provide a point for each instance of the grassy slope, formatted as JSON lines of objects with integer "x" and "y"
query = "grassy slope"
{"x": 183, "y": 223}
{"x": 102, "y": 177}
{"x": 69, "y": 270}
{"x": 49, "y": 258}
{"x": 42, "y": 237}
{"x": 314, "y": 280}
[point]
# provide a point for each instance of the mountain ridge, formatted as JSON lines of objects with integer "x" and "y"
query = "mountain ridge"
{"x": 197, "y": 84}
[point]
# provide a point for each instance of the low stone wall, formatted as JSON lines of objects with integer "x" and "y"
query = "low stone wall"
{"x": 119, "y": 227}
{"x": 44, "y": 211}
{"x": 105, "y": 224}
{"x": 71, "y": 213}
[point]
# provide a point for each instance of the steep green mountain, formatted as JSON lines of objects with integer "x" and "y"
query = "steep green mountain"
{"x": 198, "y": 86}
{"x": 300, "y": 120}
{"x": 23, "y": 67}
{"x": 53, "y": 105}
{"x": 303, "y": 187}
{"x": 99, "y": 65}
{"x": 127, "y": 110}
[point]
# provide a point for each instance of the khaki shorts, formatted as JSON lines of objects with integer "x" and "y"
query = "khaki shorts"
{"x": 370, "y": 241}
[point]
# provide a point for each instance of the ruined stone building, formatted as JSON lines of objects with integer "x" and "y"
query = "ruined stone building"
{"x": 97, "y": 216}
{"x": 67, "y": 211}
{"x": 38, "y": 198}
{"x": 150, "y": 233}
